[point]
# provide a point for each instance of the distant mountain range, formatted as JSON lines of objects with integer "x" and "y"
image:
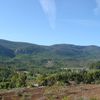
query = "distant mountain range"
{"x": 64, "y": 54}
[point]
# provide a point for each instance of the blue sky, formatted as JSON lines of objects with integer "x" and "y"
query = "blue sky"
{"x": 50, "y": 22}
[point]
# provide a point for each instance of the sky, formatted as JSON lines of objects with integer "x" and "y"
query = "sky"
{"x": 48, "y": 22}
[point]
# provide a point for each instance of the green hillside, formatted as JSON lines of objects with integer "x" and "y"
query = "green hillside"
{"x": 6, "y": 52}
{"x": 25, "y": 55}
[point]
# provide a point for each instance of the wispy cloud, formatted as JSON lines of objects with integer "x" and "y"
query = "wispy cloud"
{"x": 49, "y": 8}
{"x": 97, "y": 9}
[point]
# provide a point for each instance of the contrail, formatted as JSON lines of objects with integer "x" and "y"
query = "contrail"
{"x": 49, "y": 8}
{"x": 97, "y": 9}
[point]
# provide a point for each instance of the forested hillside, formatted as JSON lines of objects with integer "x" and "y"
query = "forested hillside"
{"x": 25, "y": 55}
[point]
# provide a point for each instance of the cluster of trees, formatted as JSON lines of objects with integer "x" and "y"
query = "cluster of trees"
{"x": 95, "y": 65}
{"x": 11, "y": 78}
{"x": 68, "y": 76}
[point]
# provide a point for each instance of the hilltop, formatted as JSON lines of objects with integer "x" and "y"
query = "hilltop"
{"x": 57, "y": 55}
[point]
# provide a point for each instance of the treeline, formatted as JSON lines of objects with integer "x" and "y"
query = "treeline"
{"x": 15, "y": 78}
{"x": 70, "y": 76}
{"x": 11, "y": 78}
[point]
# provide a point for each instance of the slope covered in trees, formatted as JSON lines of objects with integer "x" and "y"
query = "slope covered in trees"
{"x": 26, "y": 55}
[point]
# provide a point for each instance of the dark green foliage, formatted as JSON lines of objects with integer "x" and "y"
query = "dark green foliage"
{"x": 6, "y": 52}
{"x": 18, "y": 80}
{"x": 65, "y": 77}
{"x": 23, "y": 55}
{"x": 11, "y": 78}
{"x": 95, "y": 65}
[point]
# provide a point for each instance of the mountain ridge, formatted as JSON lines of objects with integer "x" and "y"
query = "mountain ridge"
{"x": 60, "y": 49}
{"x": 66, "y": 54}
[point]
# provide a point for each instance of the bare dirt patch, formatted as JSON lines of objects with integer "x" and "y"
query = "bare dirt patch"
{"x": 53, "y": 93}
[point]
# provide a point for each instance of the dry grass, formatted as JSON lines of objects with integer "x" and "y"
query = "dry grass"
{"x": 80, "y": 92}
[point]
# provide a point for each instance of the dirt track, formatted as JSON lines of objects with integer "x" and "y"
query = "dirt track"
{"x": 72, "y": 92}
